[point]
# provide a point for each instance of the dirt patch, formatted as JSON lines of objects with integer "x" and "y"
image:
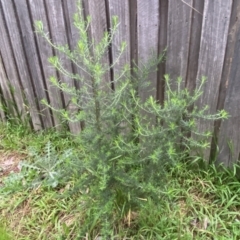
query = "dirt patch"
{"x": 9, "y": 162}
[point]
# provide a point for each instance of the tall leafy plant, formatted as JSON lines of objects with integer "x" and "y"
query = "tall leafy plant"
{"x": 125, "y": 154}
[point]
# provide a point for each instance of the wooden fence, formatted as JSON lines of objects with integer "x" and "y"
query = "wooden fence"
{"x": 202, "y": 39}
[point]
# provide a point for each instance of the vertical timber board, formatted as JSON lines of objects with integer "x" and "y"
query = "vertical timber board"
{"x": 97, "y": 11}
{"x": 12, "y": 77}
{"x": 162, "y": 45}
{"x": 133, "y": 34}
{"x": 45, "y": 51}
{"x": 147, "y": 29}
{"x": 74, "y": 36}
{"x": 21, "y": 63}
{"x": 194, "y": 44}
{"x": 178, "y": 35}
{"x": 229, "y": 137}
{"x": 59, "y": 36}
{"x": 33, "y": 59}
{"x": 70, "y": 8}
{"x": 216, "y": 19}
{"x": 231, "y": 44}
{"x": 4, "y": 92}
{"x": 120, "y": 8}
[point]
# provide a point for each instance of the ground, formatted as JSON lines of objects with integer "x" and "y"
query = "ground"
{"x": 9, "y": 163}
{"x": 197, "y": 204}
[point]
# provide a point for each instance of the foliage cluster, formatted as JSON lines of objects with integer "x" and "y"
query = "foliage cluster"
{"x": 128, "y": 147}
{"x": 200, "y": 204}
{"x": 128, "y": 143}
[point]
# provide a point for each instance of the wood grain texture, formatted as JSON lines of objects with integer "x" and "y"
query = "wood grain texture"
{"x": 194, "y": 44}
{"x": 32, "y": 59}
{"x": 20, "y": 61}
{"x": 45, "y": 51}
{"x": 148, "y": 29}
{"x": 133, "y": 33}
{"x": 59, "y": 36}
{"x": 216, "y": 19}
{"x": 97, "y": 11}
{"x": 121, "y": 9}
{"x": 178, "y": 38}
{"x": 10, "y": 70}
{"x": 6, "y": 96}
{"x": 229, "y": 137}
{"x": 4, "y": 93}
{"x": 162, "y": 45}
{"x": 70, "y": 8}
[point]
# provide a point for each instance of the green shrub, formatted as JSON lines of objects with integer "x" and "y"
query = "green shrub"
{"x": 128, "y": 144}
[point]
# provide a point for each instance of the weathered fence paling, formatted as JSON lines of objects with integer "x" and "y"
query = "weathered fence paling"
{"x": 201, "y": 37}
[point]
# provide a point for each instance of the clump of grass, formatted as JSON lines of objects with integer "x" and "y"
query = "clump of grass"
{"x": 4, "y": 235}
{"x": 18, "y": 137}
{"x": 195, "y": 204}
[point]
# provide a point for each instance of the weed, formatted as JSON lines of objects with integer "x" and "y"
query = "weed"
{"x": 130, "y": 178}
{"x": 126, "y": 156}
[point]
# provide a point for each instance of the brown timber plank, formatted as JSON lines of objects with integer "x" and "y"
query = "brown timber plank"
{"x": 10, "y": 71}
{"x": 162, "y": 45}
{"x": 216, "y": 18}
{"x": 194, "y": 44}
{"x": 148, "y": 29}
{"x": 20, "y": 63}
{"x": 229, "y": 137}
{"x": 59, "y": 36}
{"x": 45, "y": 51}
{"x": 70, "y": 8}
{"x": 34, "y": 65}
{"x": 120, "y": 8}
{"x": 4, "y": 91}
{"x": 133, "y": 33}
{"x": 178, "y": 38}
{"x": 74, "y": 36}
{"x": 97, "y": 11}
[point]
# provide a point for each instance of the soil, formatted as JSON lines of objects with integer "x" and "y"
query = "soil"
{"x": 9, "y": 163}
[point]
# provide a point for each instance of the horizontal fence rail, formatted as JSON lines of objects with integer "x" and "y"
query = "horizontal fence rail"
{"x": 202, "y": 38}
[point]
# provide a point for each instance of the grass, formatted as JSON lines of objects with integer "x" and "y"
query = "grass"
{"x": 4, "y": 235}
{"x": 196, "y": 204}
{"x": 17, "y": 137}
